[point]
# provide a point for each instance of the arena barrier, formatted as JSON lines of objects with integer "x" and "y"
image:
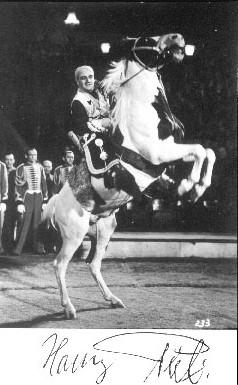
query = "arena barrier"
{"x": 152, "y": 245}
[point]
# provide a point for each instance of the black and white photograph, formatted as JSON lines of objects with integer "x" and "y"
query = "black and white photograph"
{"x": 118, "y": 189}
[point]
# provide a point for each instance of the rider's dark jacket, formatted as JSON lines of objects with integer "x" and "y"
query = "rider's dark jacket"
{"x": 93, "y": 108}
{"x": 88, "y": 107}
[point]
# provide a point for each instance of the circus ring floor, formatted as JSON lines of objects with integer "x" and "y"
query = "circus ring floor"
{"x": 166, "y": 280}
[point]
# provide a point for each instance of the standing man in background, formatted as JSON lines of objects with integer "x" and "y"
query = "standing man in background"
{"x": 31, "y": 195}
{"x": 3, "y": 198}
{"x": 61, "y": 172}
{"x": 47, "y": 164}
{"x": 10, "y": 220}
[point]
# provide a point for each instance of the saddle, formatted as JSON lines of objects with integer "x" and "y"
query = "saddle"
{"x": 100, "y": 171}
{"x": 103, "y": 161}
{"x": 99, "y": 154}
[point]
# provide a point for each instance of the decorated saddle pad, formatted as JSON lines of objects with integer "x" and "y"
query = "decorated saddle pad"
{"x": 99, "y": 153}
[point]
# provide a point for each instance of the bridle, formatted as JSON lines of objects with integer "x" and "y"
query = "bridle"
{"x": 138, "y": 60}
{"x": 166, "y": 52}
{"x": 136, "y": 48}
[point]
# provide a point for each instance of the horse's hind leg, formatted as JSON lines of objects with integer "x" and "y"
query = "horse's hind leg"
{"x": 69, "y": 246}
{"x": 102, "y": 233}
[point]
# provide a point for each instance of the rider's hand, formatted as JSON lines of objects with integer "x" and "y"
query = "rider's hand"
{"x": 95, "y": 126}
{"x": 106, "y": 123}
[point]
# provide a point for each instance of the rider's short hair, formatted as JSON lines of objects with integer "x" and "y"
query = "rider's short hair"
{"x": 79, "y": 70}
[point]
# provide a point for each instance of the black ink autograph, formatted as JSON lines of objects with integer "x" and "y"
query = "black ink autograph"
{"x": 181, "y": 358}
{"x": 59, "y": 362}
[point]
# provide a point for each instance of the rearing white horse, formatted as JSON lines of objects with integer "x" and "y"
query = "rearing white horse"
{"x": 136, "y": 89}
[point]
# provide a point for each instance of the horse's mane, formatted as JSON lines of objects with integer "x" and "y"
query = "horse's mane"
{"x": 115, "y": 76}
{"x": 112, "y": 87}
{"x": 115, "y": 86}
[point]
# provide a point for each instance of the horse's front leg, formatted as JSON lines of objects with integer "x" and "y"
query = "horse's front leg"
{"x": 205, "y": 181}
{"x": 166, "y": 151}
{"x": 102, "y": 233}
{"x": 60, "y": 265}
{"x": 197, "y": 155}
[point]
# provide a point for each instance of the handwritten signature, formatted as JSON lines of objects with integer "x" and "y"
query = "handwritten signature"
{"x": 181, "y": 358}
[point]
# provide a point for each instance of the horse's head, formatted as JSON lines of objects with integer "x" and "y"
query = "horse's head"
{"x": 132, "y": 83}
{"x": 154, "y": 52}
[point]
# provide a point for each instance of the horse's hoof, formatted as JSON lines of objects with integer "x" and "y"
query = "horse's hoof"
{"x": 197, "y": 192}
{"x": 185, "y": 186}
{"x": 118, "y": 304}
{"x": 70, "y": 314}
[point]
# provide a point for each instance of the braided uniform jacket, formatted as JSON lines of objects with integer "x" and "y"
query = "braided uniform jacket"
{"x": 3, "y": 183}
{"x": 95, "y": 107}
{"x": 30, "y": 178}
{"x": 87, "y": 107}
{"x": 61, "y": 175}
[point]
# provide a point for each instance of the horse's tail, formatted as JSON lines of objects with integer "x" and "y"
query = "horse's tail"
{"x": 47, "y": 218}
{"x": 49, "y": 210}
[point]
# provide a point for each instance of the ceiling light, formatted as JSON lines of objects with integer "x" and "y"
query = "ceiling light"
{"x": 105, "y": 47}
{"x": 72, "y": 19}
{"x": 189, "y": 49}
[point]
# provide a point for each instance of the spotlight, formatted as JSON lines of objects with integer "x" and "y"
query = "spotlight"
{"x": 189, "y": 49}
{"x": 72, "y": 19}
{"x": 105, "y": 47}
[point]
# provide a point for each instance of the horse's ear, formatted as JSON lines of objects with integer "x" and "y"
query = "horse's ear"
{"x": 156, "y": 38}
{"x": 125, "y": 46}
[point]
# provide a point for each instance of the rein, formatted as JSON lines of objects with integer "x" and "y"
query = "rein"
{"x": 163, "y": 96}
{"x": 133, "y": 76}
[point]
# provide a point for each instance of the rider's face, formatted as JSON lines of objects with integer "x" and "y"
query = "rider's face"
{"x": 86, "y": 80}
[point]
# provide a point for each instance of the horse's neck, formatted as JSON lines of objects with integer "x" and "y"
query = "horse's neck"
{"x": 142, "y": 85}
{"x": 134, "y": 109}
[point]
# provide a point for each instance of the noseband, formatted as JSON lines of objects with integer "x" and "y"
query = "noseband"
{"x": 134, "y": 50}
{"x": 150, "y": 48}
{"x": 137, "y": 59}
{"x": 149, "y": 45}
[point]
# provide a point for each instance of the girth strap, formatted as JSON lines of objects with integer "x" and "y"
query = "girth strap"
{"x": 137, "y": 161}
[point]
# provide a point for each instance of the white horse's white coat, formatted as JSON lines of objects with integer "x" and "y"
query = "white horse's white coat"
{"x": 135, "y": 89}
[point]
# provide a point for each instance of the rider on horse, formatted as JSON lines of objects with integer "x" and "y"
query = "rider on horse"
{"x": 90, "y": 113}
{"x": 89, "y": 108}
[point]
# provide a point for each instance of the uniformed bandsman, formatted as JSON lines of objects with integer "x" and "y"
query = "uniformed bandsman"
{"x": 10, "y": 220}
{"x": 31, "y": 195}
{"x": 61, "y": 172}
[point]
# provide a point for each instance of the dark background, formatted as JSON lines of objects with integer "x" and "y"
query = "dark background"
{"x": 38, "y": 55}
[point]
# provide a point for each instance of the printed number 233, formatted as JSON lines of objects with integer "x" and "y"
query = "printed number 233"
{"x": 203, "y": 323}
